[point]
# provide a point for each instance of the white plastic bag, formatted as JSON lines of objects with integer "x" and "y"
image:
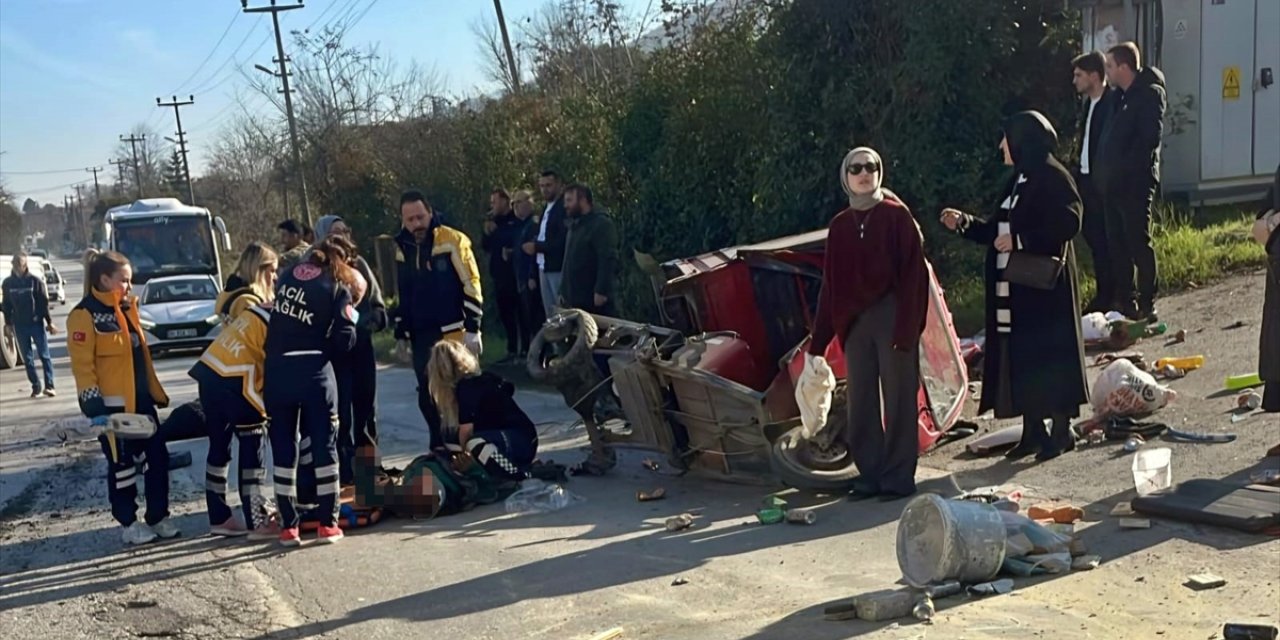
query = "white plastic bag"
{"x": 536, "y": 496}
{"x": 813, "y": 394}
{"x": 1124, "y": 390}
{"x": 1094, "y": 326}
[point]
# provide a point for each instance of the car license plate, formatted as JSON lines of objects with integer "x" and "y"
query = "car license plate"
{"x": 182, "y": 333}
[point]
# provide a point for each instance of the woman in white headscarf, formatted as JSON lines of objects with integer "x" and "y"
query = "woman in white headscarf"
{"x": 875, "y": 294}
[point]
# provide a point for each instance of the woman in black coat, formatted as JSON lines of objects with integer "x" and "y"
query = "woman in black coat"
{"x": 1034, "y": 360}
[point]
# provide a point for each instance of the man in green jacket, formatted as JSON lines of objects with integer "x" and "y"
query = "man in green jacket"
{"x": 590, "y": 255}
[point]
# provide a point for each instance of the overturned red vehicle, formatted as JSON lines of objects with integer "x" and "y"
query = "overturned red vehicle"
{"x": 713, "y": 388}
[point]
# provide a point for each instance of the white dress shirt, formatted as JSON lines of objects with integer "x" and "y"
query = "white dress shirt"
{"x": 1084, "y": 148}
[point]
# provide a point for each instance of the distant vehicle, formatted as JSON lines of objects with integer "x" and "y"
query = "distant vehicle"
{"x": 56, "y": 284}
{"x": 163, "y": 237}
{"x": 39, "y": 253}
{"x": 10, "y": 356}
{"x": 177, "y": 312}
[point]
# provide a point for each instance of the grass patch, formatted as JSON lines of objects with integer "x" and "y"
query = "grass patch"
{"x": 1191, "y": 250}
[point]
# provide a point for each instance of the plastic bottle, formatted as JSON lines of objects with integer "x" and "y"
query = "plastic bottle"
{"x": 1185, "y": 363}
{"x": 1243, "y": 381}
{"x": 924, "y": 609}
{"x": 1157, "y": 329}
{"x": 536, "y": 496}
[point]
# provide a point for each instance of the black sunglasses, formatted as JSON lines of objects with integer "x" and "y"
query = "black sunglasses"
{"x": 856, "y": 168}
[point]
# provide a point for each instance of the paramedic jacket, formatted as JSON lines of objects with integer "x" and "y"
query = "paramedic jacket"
{"x": 439, "y": 284}
{"x": 109, "y": 358}
{"x": 236, "y": 357}
{"x": 312, "y": 314}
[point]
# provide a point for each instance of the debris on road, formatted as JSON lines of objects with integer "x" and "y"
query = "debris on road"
{"x": 1086, "y": 563}
{"x": 680, "y": 522}
{"x": 1250, "y": 399}
{"x": 650, "y": 496}
{"x": 944, "y": 590}
{"x": 679, "y": 582}
{"x": 770, "y": 515}
{"x": 1243, "y": 631}
{"x": 1134, "y": 443}
{"x": 1122, "y": 510}
{"x": 1265, "y": 476}
{"x": 612, "y": 634}
{"x": 1204, "y": 581}
{"x": 1183, "y": 363}
{"x": 923, "y": 609}
{"x": 1135, "y": 523}
{"x": 801, "y": 516}
{"x": 889, "y": 604}
{"x": 1238, "y": 324}
{"x": 1059, "y": 513}
{"x": 998, "y": 587}
{"x": 1193, "y": 436}
{"x": 1243, "y": 381}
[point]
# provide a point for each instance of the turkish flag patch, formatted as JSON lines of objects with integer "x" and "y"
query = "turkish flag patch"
{"x": 78, "y": 336}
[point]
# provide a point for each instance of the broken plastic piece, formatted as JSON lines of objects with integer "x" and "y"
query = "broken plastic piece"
{"x": 998, "y": 587}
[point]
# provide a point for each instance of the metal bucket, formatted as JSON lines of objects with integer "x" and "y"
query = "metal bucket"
{"x": 940, "y": 540}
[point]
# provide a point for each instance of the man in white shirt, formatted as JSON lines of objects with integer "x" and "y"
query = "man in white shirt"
{"x": 1098, "y": 103}
{"x": 552, "y": 234}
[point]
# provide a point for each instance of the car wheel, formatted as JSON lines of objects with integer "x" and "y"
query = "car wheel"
{"x": 572, "y": 326}
{"x": 816, "y": 466}
{"x": 9, "y": 356}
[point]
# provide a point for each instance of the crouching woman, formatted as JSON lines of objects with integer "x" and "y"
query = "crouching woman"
{"x": 479, "y": 414}
{"x": 114, "y": 374}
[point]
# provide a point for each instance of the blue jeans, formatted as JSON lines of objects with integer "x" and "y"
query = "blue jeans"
{"x": 33, "y": 341}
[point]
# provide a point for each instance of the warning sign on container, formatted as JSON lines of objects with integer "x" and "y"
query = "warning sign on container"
{"x": 1180, "y": 29}
{"x": 1231, "y": 83}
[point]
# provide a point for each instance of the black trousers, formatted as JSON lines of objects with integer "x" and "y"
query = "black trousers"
{"x": 422, "y": 343}
{"x": 885, "y": 446}
{"x": 1129, "y": 237}
{"x": 1095, "y": 235}
{"x": 356, "y": 374}
{"x": 534, "y": 314}
{"x": 513, "y": 321}
{"x": 302, "y": 399}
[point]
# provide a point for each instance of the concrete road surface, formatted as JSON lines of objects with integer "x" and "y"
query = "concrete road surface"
{"x": 608, "y": 562}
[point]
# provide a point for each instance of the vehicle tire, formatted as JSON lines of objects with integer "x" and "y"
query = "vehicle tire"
{"x": 793, "y": 462}
{"x": 571, "y": 325}
{"x": 9, "y": 357}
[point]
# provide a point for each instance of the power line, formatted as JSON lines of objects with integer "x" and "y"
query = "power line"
{"x": 235, "y": 16}
{"x": 362, "y": 15}
{"x": 54, "y": 187}
{"x": 206, "y": 86}
{"x": 332, "y": 4}
{"x": 40, "y": 173}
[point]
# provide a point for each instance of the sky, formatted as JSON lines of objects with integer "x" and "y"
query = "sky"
{"x": 75, "y": 74}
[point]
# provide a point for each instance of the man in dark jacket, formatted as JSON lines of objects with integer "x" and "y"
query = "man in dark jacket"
{"x": 439, "y": 289}
{"x": 1089, "y": 77}
{"x": 590, "y": 255}
{"x": 552, "y": 235}
{"x": 532, "y": 312}
{"x": 500, "y": 231}
{"x": 1129, "y": 173}
{"x": 26, "y": 314}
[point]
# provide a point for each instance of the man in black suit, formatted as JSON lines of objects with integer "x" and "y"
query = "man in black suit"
{"x": 1129, "y": 172}
{"x": 1088, "y": 74}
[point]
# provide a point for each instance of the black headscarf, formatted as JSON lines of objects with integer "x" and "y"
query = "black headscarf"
{"x": 1031, "y": 139}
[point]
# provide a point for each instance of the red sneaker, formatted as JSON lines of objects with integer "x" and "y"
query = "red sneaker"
{"x": 329, "y": 535}
{"x": 290, "y": 537}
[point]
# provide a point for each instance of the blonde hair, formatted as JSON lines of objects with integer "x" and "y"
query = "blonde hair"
{"x": 451, "y": 361}
{"x": 257, "y": 263}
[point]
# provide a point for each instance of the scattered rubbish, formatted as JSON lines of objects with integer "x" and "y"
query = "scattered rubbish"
{"x": 1157, "y": 329}
{"x": 1185, "y": 363}
{"x": 680, "y": 522}
{"x": 1180, "y": 336}
{"x": 650, "y": 496}
{"x": 1095, "y": 434}
{"x": 1250, "y": 399}
{"x": 880, "y": 606}
{"x": 1152, "y": 470}
{"x": 923, "y": 609}
{"x": 1053, "y": 563}
{"x": 801, "y": 516}
{"x": 1243, "y": 631}
{"x": 1123, "y": 390}
{"x": 1192, "y": 436}
{"x": 1018, "y": 545}
{"x": 612, "y": 634}
{"x": 1134, "y": 443}
{"x": 1060, "y": 513}
{"x": 775, "y": 502}
{"x": 999, "y": 587}
{"x": 944, "y": 590}
{"x": 995, "y": 441}
{"x": 679, "y": 582}
{"x": 1204, "y": 581}
{"x": 1004, "y": 504}
{"x": 1086, "y": 563}
{"x": 1094, "y": 327}
{"x": 140, "y": 604}
{"x": 536, "y": 496}
{"x": 1240, "y": 417}
{"x": 1238, "y": 324}
{"x": 1121, "y": 427}
{"x": 1135, "y": 523}
{"x": 1042, "y": 540}
{"x": 1171, "y": 372}
{"x": 940, "y": 540}
{"x": 1107, "y": 358}
{"x": 651, "y": 465}
{"x": 770, "y": 515}
{"x": 1265, "y": 476}
{"x": 838, "y": 612}
{"x": 1122, "y": 510}
{"x": 1254, "y": 509}
{"x": 1243, "y": 381}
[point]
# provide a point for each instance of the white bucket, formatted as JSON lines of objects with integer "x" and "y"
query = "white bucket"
{"x": 1152, "y": 470}
{"x": 940, "y": 540}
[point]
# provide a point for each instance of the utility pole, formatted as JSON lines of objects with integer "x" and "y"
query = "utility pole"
{"x": 79, "y": 214}
{"x": 97, "y": 191}
{"x": 119, "y": 163}
{"x": 182, "y": 142}
{"x": 137, "y": 173}
{"x": 506, "y": 42}
{"x": 283, "y": 74}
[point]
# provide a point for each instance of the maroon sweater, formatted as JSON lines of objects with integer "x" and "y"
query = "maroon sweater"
{"x": 859, "y": 271}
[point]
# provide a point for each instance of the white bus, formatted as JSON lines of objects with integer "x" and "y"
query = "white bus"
{"x": 163, "y": 237}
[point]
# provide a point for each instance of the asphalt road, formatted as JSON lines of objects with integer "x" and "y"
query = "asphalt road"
{"x": 608, "y": 562}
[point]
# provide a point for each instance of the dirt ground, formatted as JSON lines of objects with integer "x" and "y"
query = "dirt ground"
{"x": 608, "y": 562}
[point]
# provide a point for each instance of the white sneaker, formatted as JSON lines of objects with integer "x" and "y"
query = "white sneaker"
{"x": 165, "y": 529}
{"x": 138, "y": 533}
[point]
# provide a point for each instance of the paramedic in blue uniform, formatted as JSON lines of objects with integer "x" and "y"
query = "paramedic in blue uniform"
{"x": 313, "y": 319}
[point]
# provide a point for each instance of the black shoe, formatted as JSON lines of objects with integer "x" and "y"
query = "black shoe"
{"x": 36, "y": 393}
{"x": 863, "y": 490}
{"x": 1063, "y": 438}
{"x": 1048, "y": 453}
{"x": 894, "y": 496}
{"x": 1131, "y": 311}
{"x": 1023, "y": 449}
{"x": 1148, "y": 312}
